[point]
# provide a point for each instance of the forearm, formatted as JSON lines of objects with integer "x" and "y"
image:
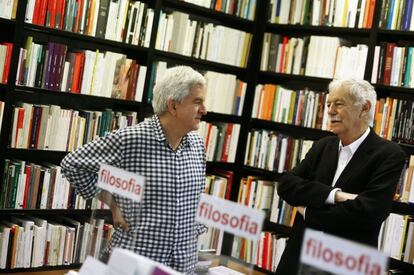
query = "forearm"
{"x": 298, "y": 191}
{"x": 81, "y": 166}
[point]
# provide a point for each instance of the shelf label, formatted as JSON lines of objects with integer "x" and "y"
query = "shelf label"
{"x": 121, "y": 182}
{"x": 229, "y": 216}
{"x": 339, "y": 256}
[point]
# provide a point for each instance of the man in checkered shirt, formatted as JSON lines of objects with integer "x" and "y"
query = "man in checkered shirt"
{"x": 172, "y": 159}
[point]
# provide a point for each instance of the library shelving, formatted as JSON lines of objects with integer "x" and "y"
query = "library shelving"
{"x": 18, "y": 30}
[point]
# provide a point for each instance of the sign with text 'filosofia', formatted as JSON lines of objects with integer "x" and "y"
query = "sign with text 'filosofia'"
{"x": 121, "y": 182}
{"x": 229, "y": 216}
{"x": 340, "y": 256}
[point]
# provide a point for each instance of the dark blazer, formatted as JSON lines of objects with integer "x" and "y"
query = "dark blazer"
{"x": 372, "y": 173}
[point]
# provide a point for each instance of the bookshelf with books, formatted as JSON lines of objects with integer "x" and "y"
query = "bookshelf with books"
{"x": 151, "y": 42}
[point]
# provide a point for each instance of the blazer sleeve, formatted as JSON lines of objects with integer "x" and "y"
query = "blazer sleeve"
{"x": 372, "y": 204}
{"x": 295, "y": 188}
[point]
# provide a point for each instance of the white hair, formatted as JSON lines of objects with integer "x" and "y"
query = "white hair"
{"x": 361, "y": 92}
{"x": 175, "y": 84}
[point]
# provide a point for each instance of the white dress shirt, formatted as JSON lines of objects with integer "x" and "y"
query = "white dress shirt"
{"x": 345, "y": 155}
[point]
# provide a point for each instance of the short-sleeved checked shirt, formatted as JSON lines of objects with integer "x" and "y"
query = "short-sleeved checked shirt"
{"x": 164, "y": 228}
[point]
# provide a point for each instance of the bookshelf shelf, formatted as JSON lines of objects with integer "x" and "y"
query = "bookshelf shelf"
{"x": 400, "y": 92}
{"x": 200, "y": 64}
{"x": 220, "y": 165}
{"x": 72, "y": 100}
{"x": 7, "y": 22}
{"x": 275, "y": 227}
{"x": 33, "y": 29}
{"x": 221, "y": 18}
{"x": 54, "y": 212}
{"x": 394, "y": 35}
{"x": 291, "y": 130}
{"x": 253, "y": 171}
{"x": 44, "y": 35}
{"x": 43, "y": 268}
{"x": 317, "y": 30}
{"x": 217, "y": 117}
{"x": 403, "y": 208}
{"x": 407, "y": 267}
{"x": 3, "y": 90}
{"x": 37, "y": 156}
{"x": 294, "y": 81}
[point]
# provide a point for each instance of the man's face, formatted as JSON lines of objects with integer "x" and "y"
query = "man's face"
{"x": 345, "y": 119}
{"x": 191, "y": 109}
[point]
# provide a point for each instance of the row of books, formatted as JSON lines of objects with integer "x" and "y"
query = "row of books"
{"x": 6, "y": 50}
{"x": 35, "y": 242}
{"x": 218, "y": 183}
{"x": 87, "y": 72}
{"x": 394, "y": 119}
{"x": 265, "y": 253}
{"x": 229, "y": 89}
{"x": 242, "y": 8}
{"x": 40, "y": 186}
{"x": 393, "y": 65}
{"x": 47, "y": 127}
{"x": 396, "y": 237}
{"x": 397, "y": 15}
{"x": 301, "y": 107}
{"x": 405, "y": 187}
{"x": 301, "y": 56}
{"x": 336, "y": 13}
{"x": 220, "y": 140}
{"x": 272, "y": 151}
{"x": 121, "y": 20}
{"x": 260, "y": 194}
{"x": 8, "y": 9}
{"x": 178, "y": 34}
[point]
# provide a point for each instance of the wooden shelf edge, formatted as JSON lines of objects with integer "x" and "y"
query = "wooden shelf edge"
{"x": 42, "y": 268}
{"x": 225, "y": 19}
{"x": 83, "y": 37}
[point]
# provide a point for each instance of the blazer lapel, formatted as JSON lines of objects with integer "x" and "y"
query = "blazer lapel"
{"x": 331, "y": 154}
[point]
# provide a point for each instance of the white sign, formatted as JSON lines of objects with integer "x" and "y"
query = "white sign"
{"x": 340, "y": 256}
{"x": 229, "y": 216}
{"x": 125, "y": 262}
{"x": 121, "y": 182}
{"x": 92, "y": 266}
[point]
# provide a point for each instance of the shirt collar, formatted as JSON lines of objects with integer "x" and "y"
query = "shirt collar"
{"x": 159, "y": 132}
{"x": 355, "y": 145}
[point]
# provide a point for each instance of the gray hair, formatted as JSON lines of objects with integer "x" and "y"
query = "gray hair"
{"x": 175, "y": 84}
{"x": 361, "y": 91}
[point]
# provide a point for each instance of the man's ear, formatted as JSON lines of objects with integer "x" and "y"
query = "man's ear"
{"x": 366, "y": 107}
{"x": 171, "y": 106}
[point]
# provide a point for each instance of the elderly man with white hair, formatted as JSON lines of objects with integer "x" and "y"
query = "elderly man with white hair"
{"x": 165, "y": 150}
{"x": 346, "y": 183}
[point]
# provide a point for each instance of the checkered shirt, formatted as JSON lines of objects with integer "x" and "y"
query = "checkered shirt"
{"x": 164, "y": 227}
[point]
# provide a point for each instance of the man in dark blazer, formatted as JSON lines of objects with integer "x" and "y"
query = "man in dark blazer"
{"x": 346, "y": 183}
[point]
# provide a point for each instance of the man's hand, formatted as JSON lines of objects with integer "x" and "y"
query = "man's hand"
{"x": 344, "y": 196}
{"x": 117, "y": 217}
